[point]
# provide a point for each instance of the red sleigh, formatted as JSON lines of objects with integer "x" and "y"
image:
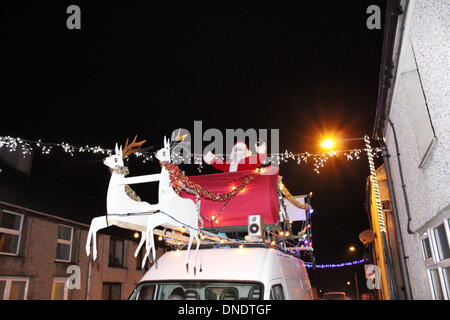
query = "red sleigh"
{"x": 259, "y": 197}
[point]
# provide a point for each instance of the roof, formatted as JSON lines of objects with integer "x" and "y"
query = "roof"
{"x": 388, "y": 62}
{"x": 234, "y": 264}
{"x": 48, "y": 197}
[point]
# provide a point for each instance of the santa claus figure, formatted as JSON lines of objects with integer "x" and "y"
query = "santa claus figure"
{"x": 241, "y": 158}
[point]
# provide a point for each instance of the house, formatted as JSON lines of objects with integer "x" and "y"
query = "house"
{"x": 385, "y": 255}
{"x": 413, "y": 125}
{"x": 41, "y": 249}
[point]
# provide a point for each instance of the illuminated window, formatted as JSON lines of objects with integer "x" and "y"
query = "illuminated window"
{"x": 59, "y": 289}
{"x": 386, "y": 204}
{"x": 10, "y": 232}
{"x": 13, "y": 288}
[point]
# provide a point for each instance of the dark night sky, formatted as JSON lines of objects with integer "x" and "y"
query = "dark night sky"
{"x": 304, "y": 68}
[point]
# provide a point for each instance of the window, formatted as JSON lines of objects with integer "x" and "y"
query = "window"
{"x": 436, "y": 283}
{"x": 386, "y": 204}
{"x": 64, "y": 244}
{"x": 276, "y": 293}
{"x": 417, "y": 106}
{"x": 116, "y": 252}
{"x": 13, "y": 288}
{"x": 10, "y": 232}
{"x": 435, "y": 244}
{"x": 426, "y": 248}
{"x": 198, "y": 290}
{"x": 139, "y": 259}
{"x": 446, "y": 273}
{"x": 441, "y": 242}
{"x": 111, "y": 291}
{"x": 59, "y": 289}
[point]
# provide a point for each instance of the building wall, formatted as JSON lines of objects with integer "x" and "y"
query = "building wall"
{"x": 377, "y": 245}
{"x": 391, "y": 238}
{"x": 428, "y": 188}
{"x": 36, "y": 260}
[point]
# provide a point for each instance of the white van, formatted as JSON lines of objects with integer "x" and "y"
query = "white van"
{"x": 226, "y": 274}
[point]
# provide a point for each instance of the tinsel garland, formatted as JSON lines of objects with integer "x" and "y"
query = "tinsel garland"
{"x": 122, "y": 170}
{"x": 131, "y": 193}
{"x": 178, "y": 181}
{"x": 290, "y": 197}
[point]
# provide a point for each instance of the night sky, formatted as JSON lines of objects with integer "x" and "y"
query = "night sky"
{"x": 307, "y": 69}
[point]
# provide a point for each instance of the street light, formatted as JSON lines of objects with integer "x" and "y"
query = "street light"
{"x": 351, "y": 249}
{"x": 348, "y": 283}
{"x": 327, "y": 144}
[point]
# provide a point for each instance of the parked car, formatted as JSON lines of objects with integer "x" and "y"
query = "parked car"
{"x": 335, "y": 296}
{"x": 249, "y": 273}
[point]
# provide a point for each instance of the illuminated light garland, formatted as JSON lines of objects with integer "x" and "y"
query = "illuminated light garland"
{"x": 331, "y": 266}
{"x": 376, "y": 191}
{"x": 14, "y": 144}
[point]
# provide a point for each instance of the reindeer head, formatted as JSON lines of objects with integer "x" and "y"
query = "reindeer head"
{"x": 163, "y": 154}
{"x": 116, "y": 160}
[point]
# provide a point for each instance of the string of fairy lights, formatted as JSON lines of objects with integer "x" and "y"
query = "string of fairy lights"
{"x": 319, "y": 160}
{"x": 28, "y": 147}
{"x": 335, "y": 265}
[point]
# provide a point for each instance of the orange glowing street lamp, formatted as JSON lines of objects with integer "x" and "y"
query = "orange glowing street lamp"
{"x": 351, "y": 249}
{"x": 328, "y": 144}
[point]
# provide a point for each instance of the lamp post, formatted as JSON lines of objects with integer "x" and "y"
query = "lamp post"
{"x": 328, "y": 144}
{"x": 352, "y": 249}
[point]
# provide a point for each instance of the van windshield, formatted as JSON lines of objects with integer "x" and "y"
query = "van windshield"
{"x": 197, "y": 290}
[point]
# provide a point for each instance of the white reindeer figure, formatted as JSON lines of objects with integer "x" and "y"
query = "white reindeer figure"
{"x": 172, "y": 211}
{"x": 175, "y": 212}
{"x": 119, "y": 204}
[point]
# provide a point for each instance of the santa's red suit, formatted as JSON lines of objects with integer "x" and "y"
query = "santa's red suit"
{"x": 240, "y": 158}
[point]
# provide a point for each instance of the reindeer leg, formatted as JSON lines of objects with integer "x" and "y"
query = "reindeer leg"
{"x": 150, "y": 241}
{"x": 148, "y": 234}
{"x": 144, "y": 260}
{"x": 191, "y": 239}
{"x": 152, "y": 244}
{"x": 196, "y": 251}
{"x": 141, "y": 243}
{"x": 97, "y": 224}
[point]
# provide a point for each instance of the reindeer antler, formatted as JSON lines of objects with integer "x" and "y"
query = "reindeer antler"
{"x": 132, "y": 147}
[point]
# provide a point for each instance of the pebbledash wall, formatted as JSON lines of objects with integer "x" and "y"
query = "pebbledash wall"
{"x": 31, "y": 271}
{"x": 423, "y": 35}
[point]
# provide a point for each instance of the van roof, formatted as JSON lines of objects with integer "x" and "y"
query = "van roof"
{"x": 246, "y": 264}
